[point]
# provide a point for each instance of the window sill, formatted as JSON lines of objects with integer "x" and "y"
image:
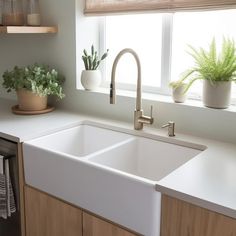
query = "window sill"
{"x": 159, "y": 98}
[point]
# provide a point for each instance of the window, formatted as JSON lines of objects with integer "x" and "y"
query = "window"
{"x": 143, "y": 33}
{"x": 198, "y": 29}
{"x": 161, "y": 42}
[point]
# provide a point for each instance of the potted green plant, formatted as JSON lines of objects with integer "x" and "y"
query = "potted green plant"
{"x": 33, "y": 84}
{"x": 178, "y": 91}
{"x": 217, "y": 70}
{"x": 91, "y": 76}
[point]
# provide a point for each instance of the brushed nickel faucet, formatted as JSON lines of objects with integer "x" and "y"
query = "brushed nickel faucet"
{"x": 139, "y": 118}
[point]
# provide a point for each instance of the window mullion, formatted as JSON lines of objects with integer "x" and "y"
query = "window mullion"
{"x": 167, "y": 26}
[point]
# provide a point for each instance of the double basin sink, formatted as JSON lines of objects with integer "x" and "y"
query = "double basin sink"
{"x": 108, "y": 172}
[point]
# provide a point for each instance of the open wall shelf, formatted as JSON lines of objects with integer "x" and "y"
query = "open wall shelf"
{"x": 28, "y": 29}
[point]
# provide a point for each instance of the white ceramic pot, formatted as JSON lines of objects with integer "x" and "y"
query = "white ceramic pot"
{"x": 216, "y": 95}
{"x": 178, "y": 94}
{"x": 91, "y": 79}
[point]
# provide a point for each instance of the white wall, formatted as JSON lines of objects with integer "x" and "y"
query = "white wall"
{"x": 60, "y": 51}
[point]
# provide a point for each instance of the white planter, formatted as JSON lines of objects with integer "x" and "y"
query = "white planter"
{"x": 216, "y": 95}
{"x": 91, "y": 79}
{"x": 178, "y": 94}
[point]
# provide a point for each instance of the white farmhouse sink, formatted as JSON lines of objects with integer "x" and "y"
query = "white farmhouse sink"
{"x": 115, "y": 176}
{"x": 80, "y": 141}
{"x": 146, "y": 158}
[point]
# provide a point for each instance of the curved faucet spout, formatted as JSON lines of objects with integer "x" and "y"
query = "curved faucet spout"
{"x": 139, "y": 118}
{"x": 112, "y": 87}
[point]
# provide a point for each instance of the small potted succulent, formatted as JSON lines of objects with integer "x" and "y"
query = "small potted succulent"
{"x": 91, "y": 76}
{"x": 216, "y": 69}
{"x": 179, "y": 94}
{"x": 33, "y": 84}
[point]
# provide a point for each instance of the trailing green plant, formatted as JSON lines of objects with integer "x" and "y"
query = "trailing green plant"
{"x": 212, "y": 66}
{"x": 92, "y": 61}
{"x": 39, "y": 79}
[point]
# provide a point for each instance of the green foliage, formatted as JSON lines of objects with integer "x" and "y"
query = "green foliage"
{"x": 177, "y": 83}
{"x": 92, "y": 61}
{"x": 212, "y": 66}
{"x": 39, "y": 79}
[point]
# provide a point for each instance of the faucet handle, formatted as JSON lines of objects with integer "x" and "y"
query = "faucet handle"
{"x": 140, "y": 119}
{"x": 151, "y": 117}
{"x": 151, "y": 111}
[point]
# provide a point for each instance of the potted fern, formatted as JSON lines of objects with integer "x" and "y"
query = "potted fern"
{"x": 33, "y": 84}
{"x": 217, "y": 70}
{"x": 91, "y": 76}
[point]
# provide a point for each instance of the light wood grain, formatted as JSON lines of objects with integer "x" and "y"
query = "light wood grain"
{"x": 180, "y": 218}
{"x": 94, "y": 226}
{"x": 21, "y": 187}
{"x": 47, "y": 216}
{"x": 98, "y": 7}
{"x": 28, "y": 29}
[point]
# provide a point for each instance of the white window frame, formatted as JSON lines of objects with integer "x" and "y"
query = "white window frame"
{"x": 167, "y": 30}
{"x": 165, "y": 74}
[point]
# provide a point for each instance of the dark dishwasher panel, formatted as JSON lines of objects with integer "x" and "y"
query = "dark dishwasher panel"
{"x": 11, "y": 226}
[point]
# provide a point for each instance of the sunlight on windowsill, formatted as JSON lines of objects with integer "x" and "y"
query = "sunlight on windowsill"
{"x": 158, "y": 98}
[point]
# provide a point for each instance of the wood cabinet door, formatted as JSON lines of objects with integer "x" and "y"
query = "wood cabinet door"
{"x": 94, "y": 226}
{"x": 180, "y": 218}
{"x": 47, "y": 216}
